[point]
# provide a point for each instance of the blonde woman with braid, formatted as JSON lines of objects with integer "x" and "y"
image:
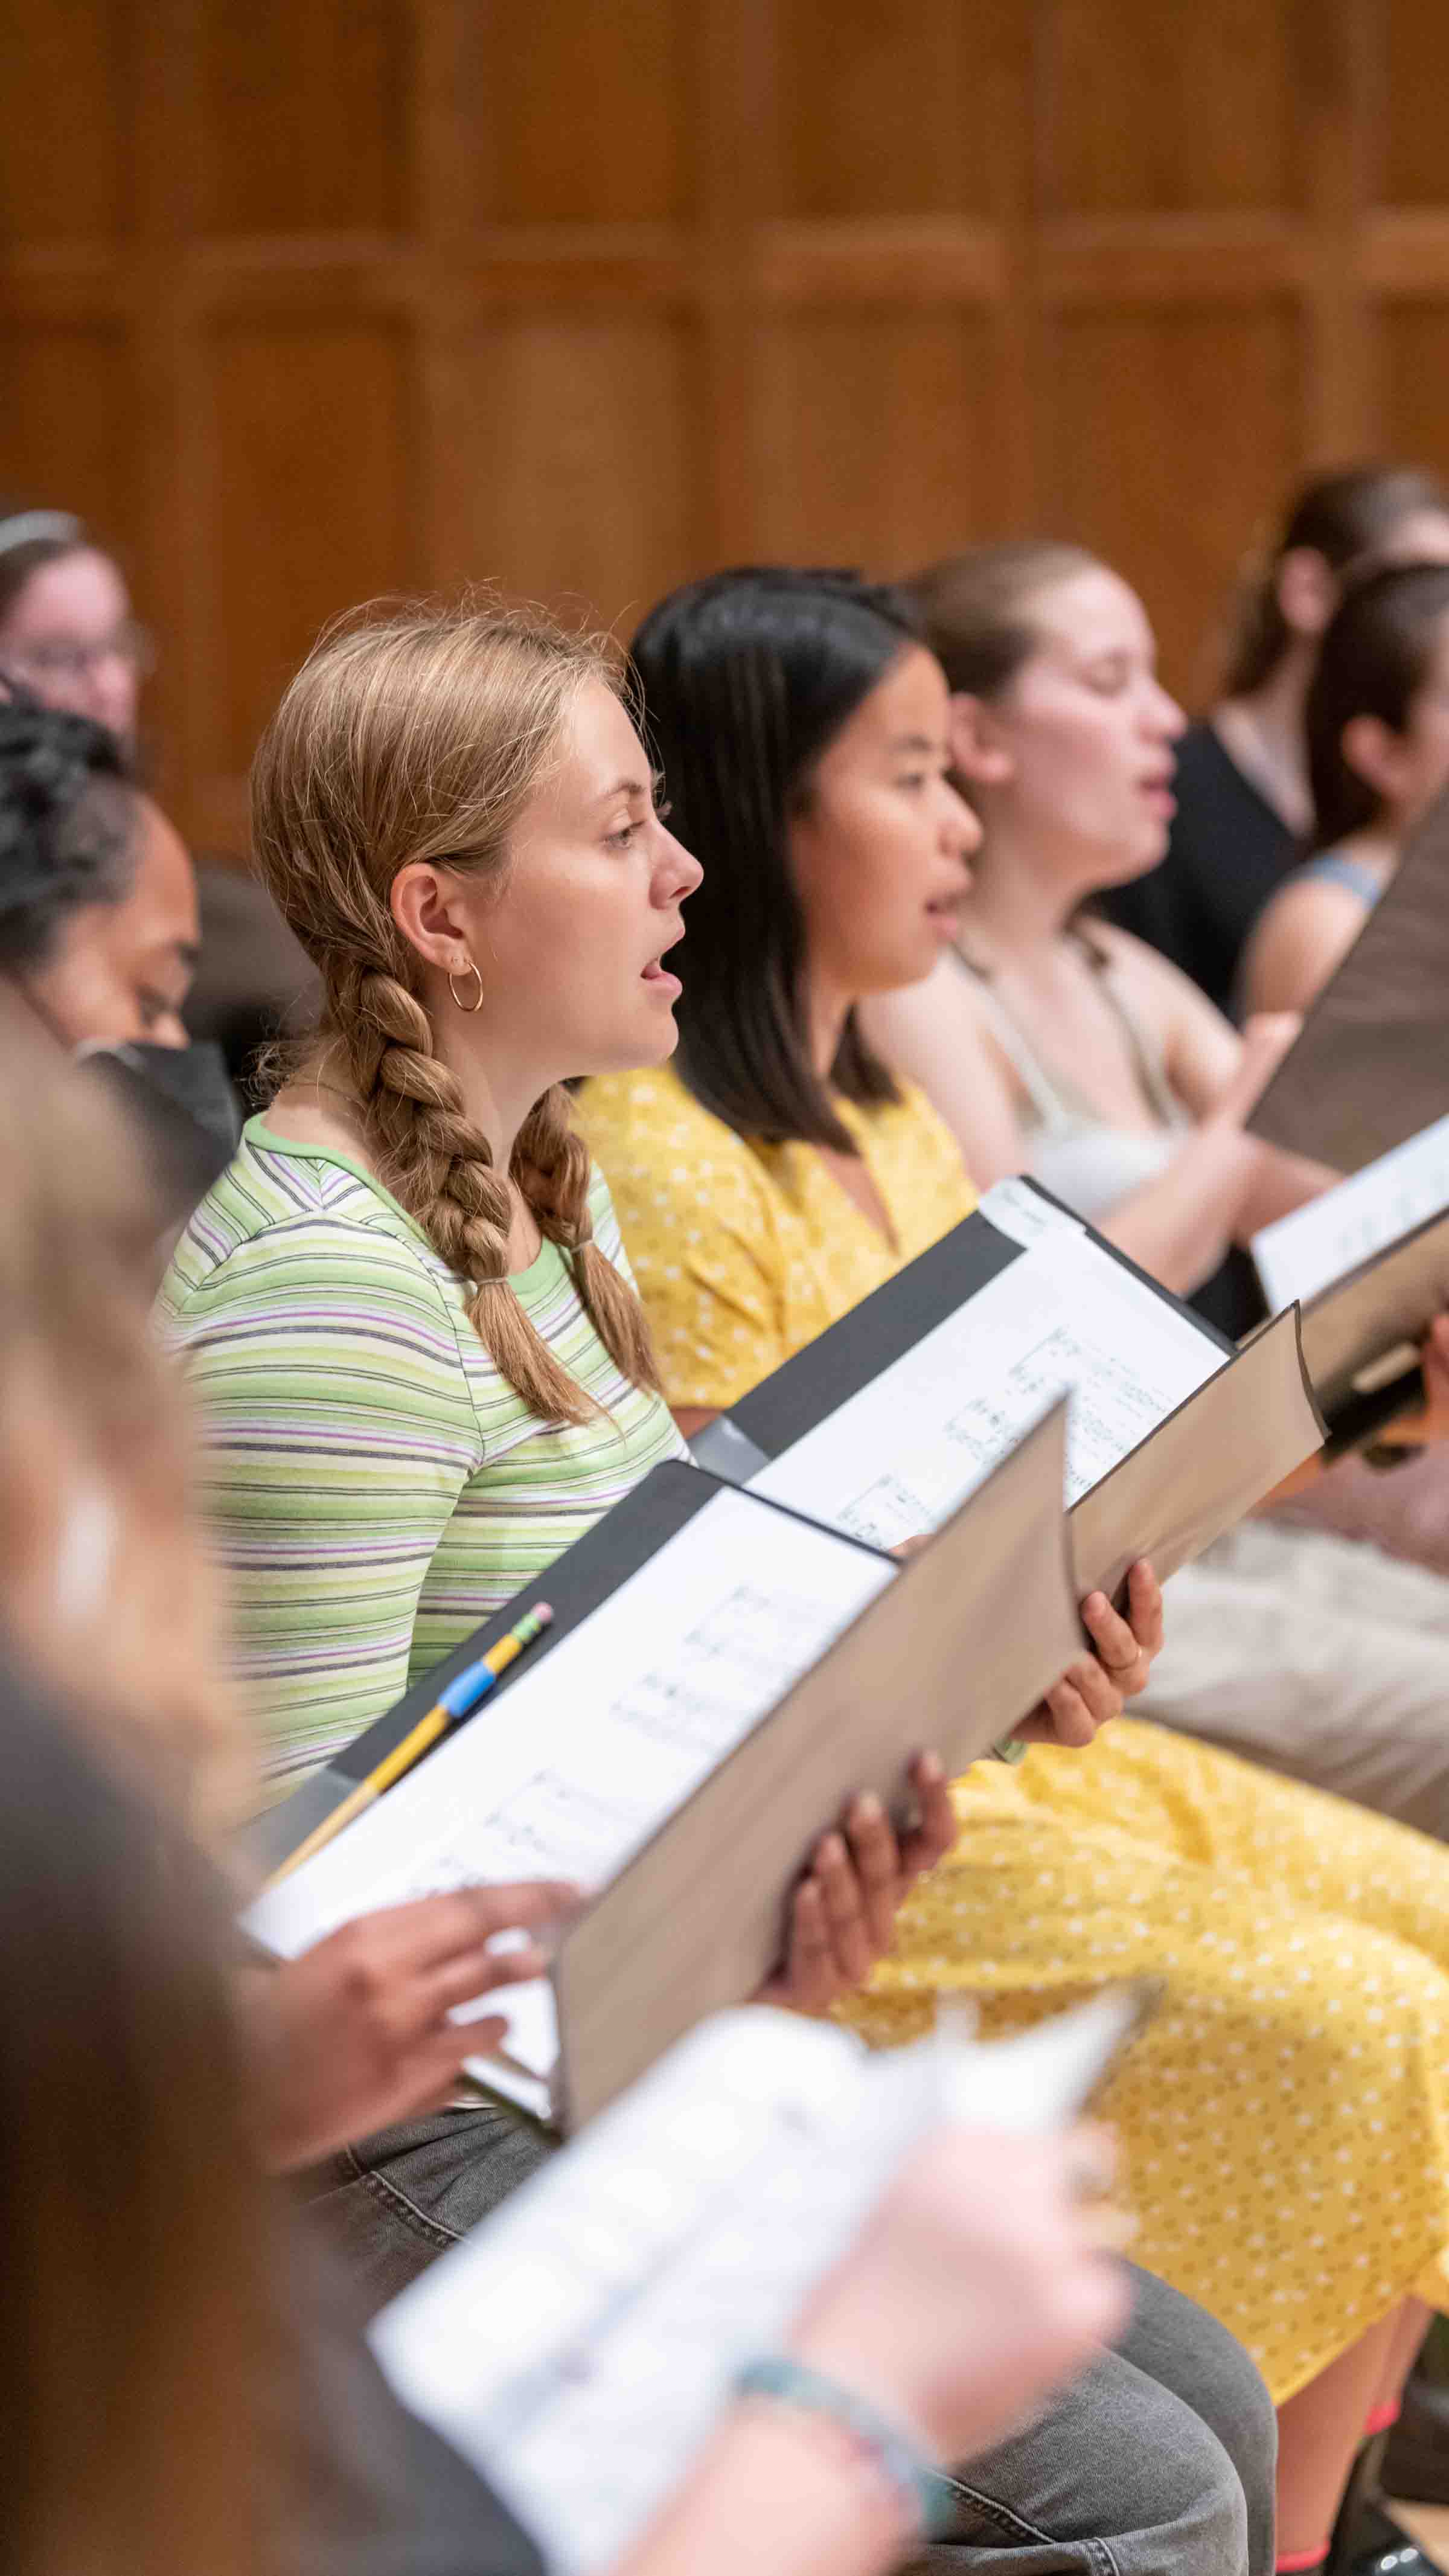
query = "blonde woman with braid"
{"x": 405, "y": 1310}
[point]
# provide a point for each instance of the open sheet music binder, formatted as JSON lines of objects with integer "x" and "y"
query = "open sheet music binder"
{"x": 721, "y": 1674}
{"x": 560, "y": 2346}
{"x": 1390, "y": 1299}
{"x": 1369, "y": 1262}
{"x": 1174, "y": 1433}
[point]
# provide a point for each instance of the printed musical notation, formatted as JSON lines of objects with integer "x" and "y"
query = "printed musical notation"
{"x": 1305, "y": 1252}
{"x": 1064, "y": 1319}
{"x": 681, "y": 1715}
{"x": 578, "y": 2345}
{"x": 1111, "y": 1411}
{"x": 586, "y": 1754}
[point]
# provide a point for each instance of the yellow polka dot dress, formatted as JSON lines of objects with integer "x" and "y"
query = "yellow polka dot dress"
{"x": 1285, "y": 2118}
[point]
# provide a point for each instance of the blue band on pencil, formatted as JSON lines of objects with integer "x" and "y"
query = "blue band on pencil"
{"x": 928, "y": 2497}
{"x": 470, "y": 1685}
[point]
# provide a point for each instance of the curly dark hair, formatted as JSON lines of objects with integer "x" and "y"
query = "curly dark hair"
{"x": 67, "y": 825}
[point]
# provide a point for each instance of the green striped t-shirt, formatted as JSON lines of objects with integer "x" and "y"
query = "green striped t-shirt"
{"x": 372, "y": 1486}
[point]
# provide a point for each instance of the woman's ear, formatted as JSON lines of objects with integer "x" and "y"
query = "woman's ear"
{"x": 1375, "y": 753}
{"x": 424, "y": 903}
{"x": 978, "y": 746}
{"x": 1307, "y": 590}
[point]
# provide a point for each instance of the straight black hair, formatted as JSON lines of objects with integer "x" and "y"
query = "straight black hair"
{"x": 1373, "y": 661}
{"x": 745, "y": 679}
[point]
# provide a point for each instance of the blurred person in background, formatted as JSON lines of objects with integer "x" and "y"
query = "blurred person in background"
{"x": 99, "y": 932}
{"x": 1051, "y": 1041}
{"x": 1060, "y": 1045}
{"x": 67, "y": 631}
{"x": 1243, "y": 800}
{"x": 98, "y": 920}
{"x": 69, "y": 640}
{"x": 182, "y": 2384}
{"x": 1377, "y": 726}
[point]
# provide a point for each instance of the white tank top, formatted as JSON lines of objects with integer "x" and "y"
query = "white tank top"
{"x": 1073, "y": 1150}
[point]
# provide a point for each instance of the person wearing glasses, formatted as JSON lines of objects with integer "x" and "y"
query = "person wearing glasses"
{"x": 67, "y": 633}
{"x": 69, "y": 641}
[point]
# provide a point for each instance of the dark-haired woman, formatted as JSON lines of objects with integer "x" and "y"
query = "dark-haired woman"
{"x": 98, "y": 919}
{"x": 805, "y": 736}
{"x": 1242, "y": 788}
{"x": 99, "y": 932}
{"x": 1378, "y": 755}
{"x": 67, "y": 633}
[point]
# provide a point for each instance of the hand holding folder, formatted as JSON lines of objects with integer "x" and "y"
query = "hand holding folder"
{"x": 720, "y": 1676}
{"x": 727, "y": 1666}
{"x": 357, "y": 2032}
{"x": 888, "y": 1418}
{"x": 734, "y": 2184}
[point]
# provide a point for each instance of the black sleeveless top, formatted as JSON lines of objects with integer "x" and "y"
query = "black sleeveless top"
{"x": 1228, "y": 852}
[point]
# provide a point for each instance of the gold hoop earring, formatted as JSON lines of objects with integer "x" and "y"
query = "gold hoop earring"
{"x": 469, "y": 1007}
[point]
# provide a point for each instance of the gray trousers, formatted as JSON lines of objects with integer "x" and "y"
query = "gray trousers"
{"x": 1159, "y": 2458}
{"x": 1319, "y": 1656}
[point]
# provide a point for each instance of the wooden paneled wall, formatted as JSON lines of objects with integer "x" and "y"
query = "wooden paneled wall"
{"x": 306, "y": 299}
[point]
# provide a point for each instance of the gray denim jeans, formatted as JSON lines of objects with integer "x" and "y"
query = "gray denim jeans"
{"x": 1159, "y": 2458}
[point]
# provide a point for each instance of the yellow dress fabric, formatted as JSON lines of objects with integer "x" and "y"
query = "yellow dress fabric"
{"x": 744, "y": 1252}
{"x": 1285, "y": 2119}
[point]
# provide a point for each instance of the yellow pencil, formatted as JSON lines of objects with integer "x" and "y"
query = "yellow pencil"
{"x": 457, "y": 1699}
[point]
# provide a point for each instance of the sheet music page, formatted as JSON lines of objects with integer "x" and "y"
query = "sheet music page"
{"x": 893, "y": 1461}
{"x": 579, "y": 2345}
{"x": 1305, "y": 1252}
{"x": 1015, "y": 1208}
{"x": 579, "y": 1760}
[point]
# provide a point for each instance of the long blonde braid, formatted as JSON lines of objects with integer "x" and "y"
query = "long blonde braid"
{"x": 421, "y": 733}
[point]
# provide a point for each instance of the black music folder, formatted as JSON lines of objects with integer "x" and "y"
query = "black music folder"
{"x": 1174, "y": 1432}
{"x": 721, "y": 1675}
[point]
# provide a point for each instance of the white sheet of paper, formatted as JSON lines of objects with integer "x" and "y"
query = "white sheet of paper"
{"x": 892, "y": 1462}
{"x": 1309, "y": 1249}
{"x": 1015, "y": 1208}
{"x": 581, "y": 2343}
{"x": 580, "y": 1759}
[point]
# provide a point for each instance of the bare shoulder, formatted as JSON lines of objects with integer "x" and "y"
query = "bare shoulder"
{"x": 922, "y": 1029}
{"x": 939, "y": 1035}
{"x": 1161, "y": 990}
{"x": 1300, "y": 937}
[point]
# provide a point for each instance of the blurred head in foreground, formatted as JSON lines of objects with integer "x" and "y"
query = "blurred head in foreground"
{"x": 102, "y": 1581}
{"x": 132, "y": 2294}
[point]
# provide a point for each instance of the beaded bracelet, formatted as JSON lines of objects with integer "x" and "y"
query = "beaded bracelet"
{"x": 913, "y": 2481}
